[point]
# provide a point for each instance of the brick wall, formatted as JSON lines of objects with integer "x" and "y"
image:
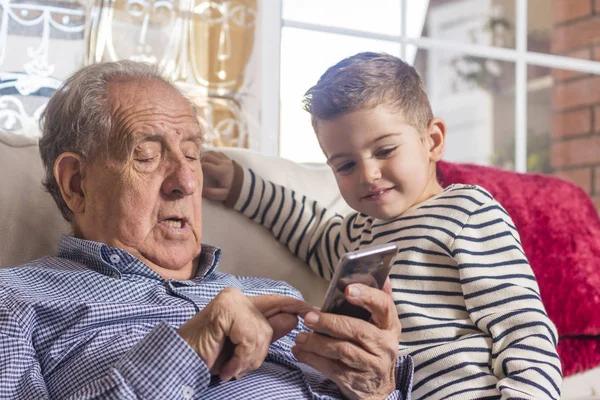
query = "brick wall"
{"x": 576, "y": 96}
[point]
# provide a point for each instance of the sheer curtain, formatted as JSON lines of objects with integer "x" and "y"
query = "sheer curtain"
{"x": 206, "y": 47}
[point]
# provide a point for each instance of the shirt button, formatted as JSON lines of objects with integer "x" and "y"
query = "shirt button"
{"x": 115, "y": 258}
{"x": 187, "y": 392}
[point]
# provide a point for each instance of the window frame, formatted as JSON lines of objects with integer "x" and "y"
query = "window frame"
{"x": 272, "y": 23}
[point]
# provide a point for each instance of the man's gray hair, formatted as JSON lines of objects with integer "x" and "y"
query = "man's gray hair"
{"x": 78, "y": 118}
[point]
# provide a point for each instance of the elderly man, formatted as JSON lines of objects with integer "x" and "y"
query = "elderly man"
{"x": 132, "y": 305}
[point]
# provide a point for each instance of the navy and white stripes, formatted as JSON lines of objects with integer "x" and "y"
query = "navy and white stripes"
{"x": 467, "y": 298}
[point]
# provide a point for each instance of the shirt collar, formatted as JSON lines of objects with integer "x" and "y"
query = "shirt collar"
{"x": 116, "y": 262}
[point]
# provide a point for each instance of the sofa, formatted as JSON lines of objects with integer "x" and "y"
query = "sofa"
{"x": 558, "y": 224}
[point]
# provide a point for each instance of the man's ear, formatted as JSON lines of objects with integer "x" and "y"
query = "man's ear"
{"x": 68, "y": 173}
{"x": 436, "y": 139}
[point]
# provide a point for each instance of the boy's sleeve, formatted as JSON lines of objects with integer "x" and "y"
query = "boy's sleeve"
{"x": 310, "y": 231}
{"x": 503, "y": 300}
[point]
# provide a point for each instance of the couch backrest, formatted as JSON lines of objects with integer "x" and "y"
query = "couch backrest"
{"x": 32, "y": 225}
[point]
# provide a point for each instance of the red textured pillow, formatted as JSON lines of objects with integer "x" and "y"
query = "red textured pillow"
{"x": 560, "y": 232}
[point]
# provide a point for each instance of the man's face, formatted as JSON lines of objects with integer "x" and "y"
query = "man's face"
{"x": 146, "y": 197}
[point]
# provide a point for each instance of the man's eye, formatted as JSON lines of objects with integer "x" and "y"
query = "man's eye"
{"x": 345, "y": 168}
{"x": 192, "y": 158}
{"x": 386, "y": 152}
{"x": 145, "y": 159}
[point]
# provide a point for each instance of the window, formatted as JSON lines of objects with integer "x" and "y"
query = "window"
{"x": 517, "y": 81}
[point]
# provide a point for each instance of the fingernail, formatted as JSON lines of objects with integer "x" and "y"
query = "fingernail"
{"x": 311, "y": 318}
{"x": 300, "y": 338}
{"x": 353, "y": 291}
{"x": 239, "y": 375}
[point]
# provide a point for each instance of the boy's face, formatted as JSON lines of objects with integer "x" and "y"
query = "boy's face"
{"x": 382, "y": 164}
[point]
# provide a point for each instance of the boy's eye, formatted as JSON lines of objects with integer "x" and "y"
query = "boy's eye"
{"x": 385, "y": 152}
{"x": 345, "y": 167}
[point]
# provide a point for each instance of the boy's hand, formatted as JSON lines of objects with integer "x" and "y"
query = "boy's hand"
{"x": 218, "y": 175}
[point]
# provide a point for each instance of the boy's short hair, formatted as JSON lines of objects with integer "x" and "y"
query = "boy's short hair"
{"x": 366, "y": 80}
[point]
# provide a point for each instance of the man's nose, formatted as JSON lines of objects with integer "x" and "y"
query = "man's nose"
{"x": 181, "y": 179}
{"x": 369, "y": 172}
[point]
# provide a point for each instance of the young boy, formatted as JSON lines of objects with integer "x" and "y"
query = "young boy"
{"x": 469, "y": 304}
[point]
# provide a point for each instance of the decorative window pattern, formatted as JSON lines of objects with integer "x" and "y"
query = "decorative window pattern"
{"x": 204, "y": 46}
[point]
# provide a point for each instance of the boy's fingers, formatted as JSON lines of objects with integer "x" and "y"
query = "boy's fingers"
{"x": 210, "y": 156}
{"x": 214, "y": 171}
{"x": 214, "y": 193}
{"x": 210, "y": 167}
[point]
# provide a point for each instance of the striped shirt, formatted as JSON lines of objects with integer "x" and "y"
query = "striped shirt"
{"x": 470, "y": 307}
{"x": 95, "y": 322}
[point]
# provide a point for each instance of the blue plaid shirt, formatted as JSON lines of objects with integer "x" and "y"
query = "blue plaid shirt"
{"x": 95, "y": 322}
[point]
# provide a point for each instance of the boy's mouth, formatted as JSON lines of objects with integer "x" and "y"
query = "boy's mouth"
{"x": 376, "y": 194}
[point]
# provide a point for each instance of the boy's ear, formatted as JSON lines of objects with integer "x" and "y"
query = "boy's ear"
{"x": 436, "y": 138}
{"x": 68, "y": 172}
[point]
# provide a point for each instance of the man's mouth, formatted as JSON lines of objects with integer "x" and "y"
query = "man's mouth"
{"x": 175, "y": 223}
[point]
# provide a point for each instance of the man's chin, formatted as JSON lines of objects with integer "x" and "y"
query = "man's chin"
{"x": 172, "y": 265}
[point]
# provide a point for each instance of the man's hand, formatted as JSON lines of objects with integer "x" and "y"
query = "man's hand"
{"x": 218, "y": 175}
{"x": 233, "y": 332}
{"x": 360, "y": 357}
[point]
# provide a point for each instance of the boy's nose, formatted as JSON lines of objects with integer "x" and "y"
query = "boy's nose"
{"x": 370, "y": 173}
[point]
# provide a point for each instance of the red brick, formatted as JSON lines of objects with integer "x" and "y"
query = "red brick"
{"x": 582, "y": 177}
{"x": 576, "y": 93}
{"x": 576, "y": 152}
{"x": 596, "y": 181}
{"x": 567, "y": 10}
{"x": 572, "y": 123}
{"x": 597, "y": 8}
{"x": 564, "y": 74}
{"x": 596, "y": 200}
{"x": 578, "y": 34}
{"x": 597, "y": 52}
{"x": 597, "y": 119}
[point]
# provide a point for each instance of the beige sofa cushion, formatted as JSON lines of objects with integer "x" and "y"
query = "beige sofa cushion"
{"x": 29, "y": 219}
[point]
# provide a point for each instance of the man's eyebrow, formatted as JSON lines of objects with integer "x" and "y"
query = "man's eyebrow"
{"x": 198, "y": 136}
{"x": 157, "y": 137}
{"x": 147, "y": 137}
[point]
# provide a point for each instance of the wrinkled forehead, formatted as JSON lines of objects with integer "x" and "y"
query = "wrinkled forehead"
{"x": 139, "y": 108}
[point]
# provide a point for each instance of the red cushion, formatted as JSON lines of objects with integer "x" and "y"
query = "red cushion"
{"x": 560, "y": 232}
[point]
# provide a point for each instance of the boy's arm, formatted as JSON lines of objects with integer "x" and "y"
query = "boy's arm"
{"x": 307, "y": 229}
{"x": 502, "y": 298}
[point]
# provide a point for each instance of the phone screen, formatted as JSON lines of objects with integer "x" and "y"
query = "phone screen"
{"x": 369, "y": 266}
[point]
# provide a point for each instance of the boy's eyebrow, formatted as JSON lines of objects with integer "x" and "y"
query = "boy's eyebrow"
{"x": 329, "y": 160}
{"x": 387, "y": 135}
{"x": 340, "y": 155}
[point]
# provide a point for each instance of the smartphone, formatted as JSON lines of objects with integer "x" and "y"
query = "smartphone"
{"x": 369, "y": 266}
